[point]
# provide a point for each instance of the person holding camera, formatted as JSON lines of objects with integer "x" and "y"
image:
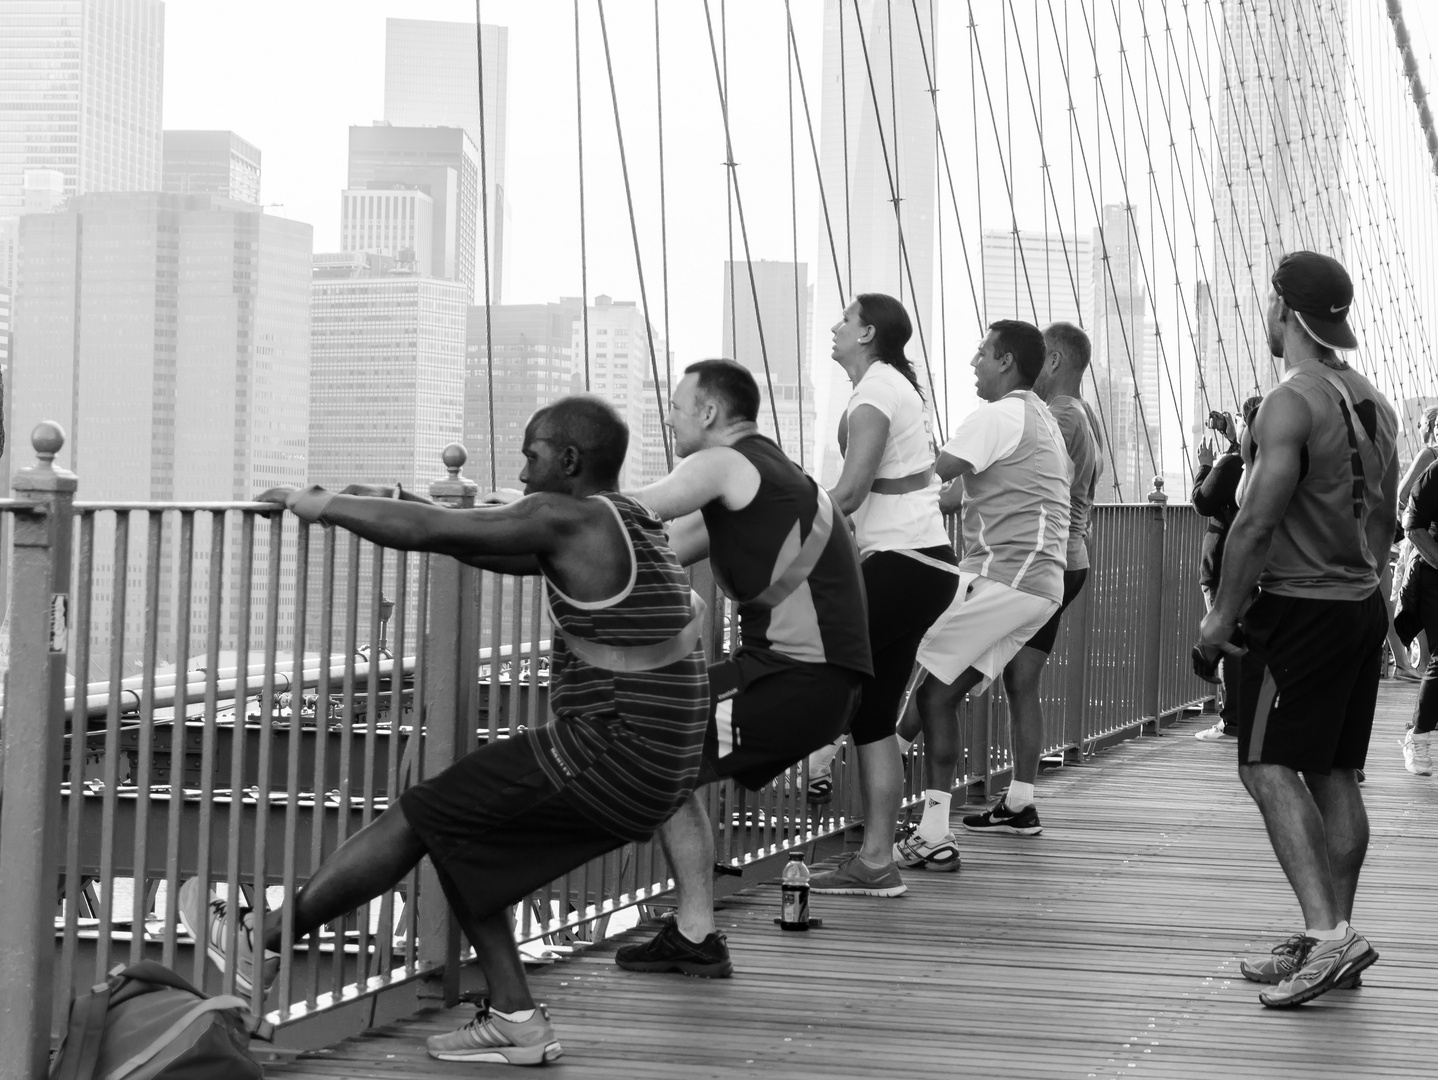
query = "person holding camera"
{"x": 1215, "y": 496}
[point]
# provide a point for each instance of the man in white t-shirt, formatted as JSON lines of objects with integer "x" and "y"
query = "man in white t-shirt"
{"x": 1009, "y": 456}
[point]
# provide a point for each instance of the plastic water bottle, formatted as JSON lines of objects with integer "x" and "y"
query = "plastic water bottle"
{"x": 794, "y": 887}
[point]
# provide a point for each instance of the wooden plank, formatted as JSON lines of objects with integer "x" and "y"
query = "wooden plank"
{"x": 1107, "y": 947}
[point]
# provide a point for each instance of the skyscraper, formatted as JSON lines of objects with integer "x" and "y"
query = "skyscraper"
{"x": 431, "y": 79}
{"x": 534, "y": 365}
{"x": 398, "y": 222}
{"x": 1125, "y": 357}
{"x": 386, "y": 372}
{"x": 80, "y": 92}
{"x": 211, "y": 163}
{"x": 784, "y": 318}
{"x": 1281, "y": 101}
{"x": 619, "y": 364}
{"x": 443, "y": 163}
{"x": 169, "y": 334}
{"x": 861, "y": 189}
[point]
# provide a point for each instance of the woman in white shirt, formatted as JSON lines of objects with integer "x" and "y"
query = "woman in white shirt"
{"x": 891, "y": 495}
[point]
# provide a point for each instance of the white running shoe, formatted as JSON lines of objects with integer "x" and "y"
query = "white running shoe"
{"x": 1417, "y": 752}
{"x": 502, "y": 1042}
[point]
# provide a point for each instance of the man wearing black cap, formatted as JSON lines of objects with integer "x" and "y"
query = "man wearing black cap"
{"x": 1317, "y": 517}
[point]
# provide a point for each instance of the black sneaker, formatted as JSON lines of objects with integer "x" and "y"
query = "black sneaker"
{"x": 1000, "y": 818}
{"x": 669, "y": 950}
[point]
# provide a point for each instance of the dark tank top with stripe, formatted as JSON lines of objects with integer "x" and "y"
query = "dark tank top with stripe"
{"x": 823, "y": 621}
{"x": 627, "y": 744}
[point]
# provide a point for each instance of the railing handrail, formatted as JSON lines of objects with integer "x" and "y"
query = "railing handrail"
{"x": 227, "y": 680}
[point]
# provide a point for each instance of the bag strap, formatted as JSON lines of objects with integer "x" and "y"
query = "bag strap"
{"x": 628, "y": 658}
{"x": 1364, "y": 461}
{"x": 902, "y": 485}
{"x": 84, "y": 1034}
{"x": 200, "y": 1008}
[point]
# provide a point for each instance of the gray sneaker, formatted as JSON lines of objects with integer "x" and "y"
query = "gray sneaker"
{"x": 1282, "y": 962}
{"x": 501, "y": 1042}
{"x": 854, "y": 877}
{"x": 1323, "y": 966}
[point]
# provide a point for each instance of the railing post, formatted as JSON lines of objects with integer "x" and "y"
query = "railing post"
{"x": 1153, "y": 601}
{"x": 451, "y": 653}
{"x": 1079, "y": 618}
{"x": 34, "y": 731}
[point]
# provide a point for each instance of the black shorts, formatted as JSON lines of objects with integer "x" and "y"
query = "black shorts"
{"x": 767, "y": 713}
{"x": 497, "y": 828}
{"x": 1043, "y": 639}
{"x": 1308, "y": 685}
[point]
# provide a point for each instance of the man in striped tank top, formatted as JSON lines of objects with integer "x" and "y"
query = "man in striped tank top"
{"x": 780, "y": 549}
{"x": 1009, "y": 458}
{"x": 630, "y": 697}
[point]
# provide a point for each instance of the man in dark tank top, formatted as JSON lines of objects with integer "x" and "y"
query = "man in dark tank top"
{"x": 1315, "y": 522}
{"x": 782, "y": 552}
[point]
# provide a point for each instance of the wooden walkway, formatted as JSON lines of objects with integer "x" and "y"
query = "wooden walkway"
{"x": 1107, "y": 947}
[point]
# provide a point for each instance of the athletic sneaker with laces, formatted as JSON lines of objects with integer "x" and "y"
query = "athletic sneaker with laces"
{"x": 820, "y": 790}
{"x": 1000, "y": 819}
{"x": 492, "y": 1038}
{"x": 1282, "y": 961}
{"x": 669, "y": 950}
{"x": 1215, "y": 733}
{"x": 1418, "y": 752}
{"x": 1322, "y": 966}
{"x": 854, "y": 877}
{"x": 914, "y": 851}
{"x": 207, "y": 918}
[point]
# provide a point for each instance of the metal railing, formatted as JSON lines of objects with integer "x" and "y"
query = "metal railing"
{"x": 216, "y": 690}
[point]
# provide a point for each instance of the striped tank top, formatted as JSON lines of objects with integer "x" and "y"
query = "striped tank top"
{"x": 627, "y": 744}
{"x": 1016, "y": 512}
{"x": 825, "y": 620}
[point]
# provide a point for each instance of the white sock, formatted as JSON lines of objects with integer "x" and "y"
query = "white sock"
{"x": 517, "y": 1017}
{"x": 1336, "y": 934}
{"x": 935, "y": 823}
{"x": 905, "y": 745}
{"x": 1019, "y": 796}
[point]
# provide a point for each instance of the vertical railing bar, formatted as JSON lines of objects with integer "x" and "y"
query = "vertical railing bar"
{"x": 384, "y": 943}
{"x": 178, "y": 733}
{"x": 139, "y": 900}
{"x": 275, "y": 552}
{"x": 322, "y": 742}
{"x": 237, "y": 743}
{"x": 371, "y": 737}
{"x": 121, "y": 575}
{"x": 84, "y": 587}
{"x": 417, "y": 731}
{"x": 209, "y": 730}
{"x": 292, "y": 764}
{"x": 347, "y": 713}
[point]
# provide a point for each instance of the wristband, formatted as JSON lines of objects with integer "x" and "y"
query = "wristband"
{"x": 310, "y": 504}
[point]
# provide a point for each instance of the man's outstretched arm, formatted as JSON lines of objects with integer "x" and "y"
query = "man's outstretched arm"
{"x": 1280, "y": 430}
{"x": 533, "y": 526}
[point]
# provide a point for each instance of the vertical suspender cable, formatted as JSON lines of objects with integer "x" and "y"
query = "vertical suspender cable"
{"x": 583, "y": 248}
{"x": 484, "y": 227}
{"x": 663, "y": 209}
{"x": 743, "y": 230}
{"x": 794, "y": 237}
{"x": 634, "y": 234}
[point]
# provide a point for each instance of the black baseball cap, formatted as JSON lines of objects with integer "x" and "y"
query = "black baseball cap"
{"x": 1319, "y": 291}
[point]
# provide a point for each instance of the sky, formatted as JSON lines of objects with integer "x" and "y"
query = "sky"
{"x": 292, "y": 76}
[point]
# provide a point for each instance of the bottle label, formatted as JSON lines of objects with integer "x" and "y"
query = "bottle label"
{"x": 795, "y": 910}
